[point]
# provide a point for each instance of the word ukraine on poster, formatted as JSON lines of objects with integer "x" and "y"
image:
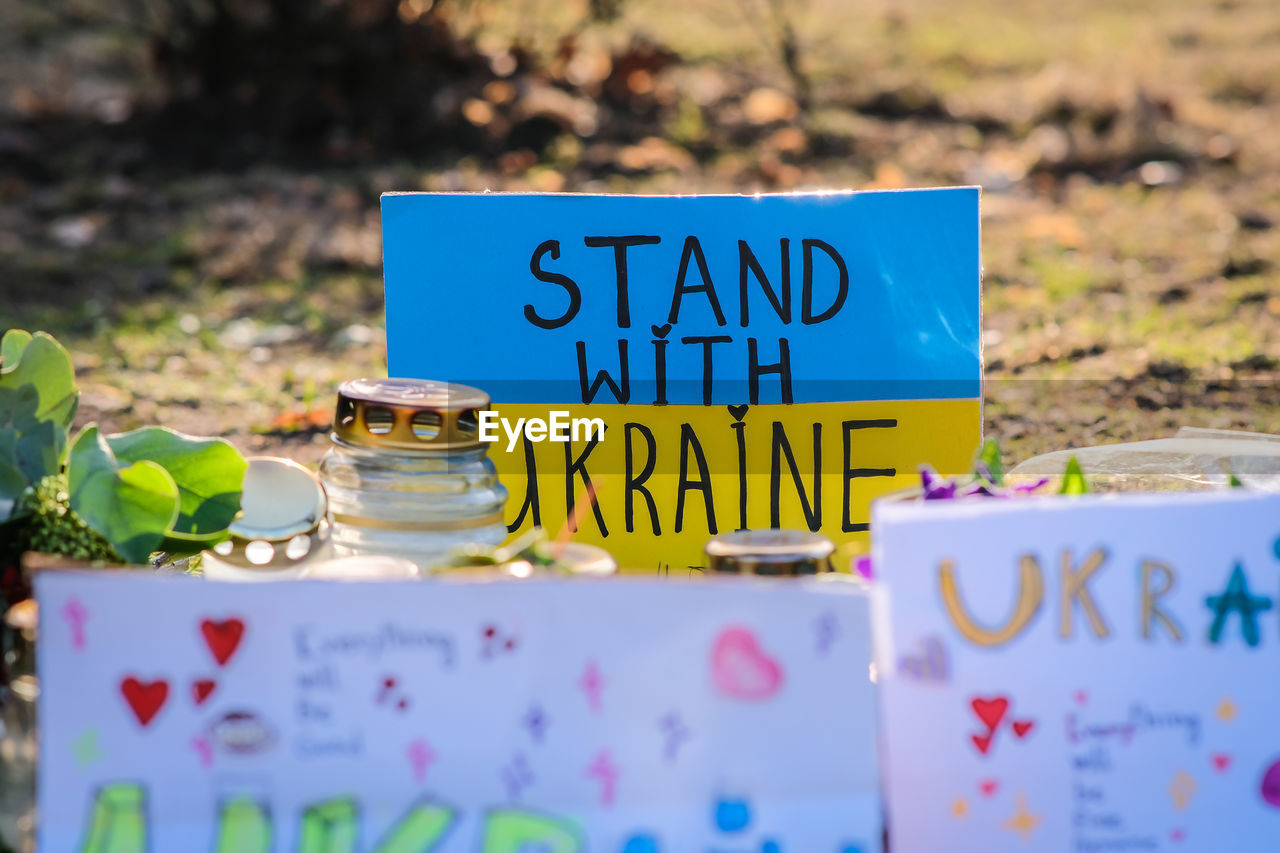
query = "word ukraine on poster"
{"x": 1082, "y": 674}
{"x": 757, "y": 361}
{"x": 641, "y": 716}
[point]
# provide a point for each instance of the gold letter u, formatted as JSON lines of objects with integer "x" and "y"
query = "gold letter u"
{"x": 1030, "y": 597}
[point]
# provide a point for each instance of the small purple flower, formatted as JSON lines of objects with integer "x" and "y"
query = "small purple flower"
{"x": 863, "y": 567}
{"x": 935, "y": 487}
{"x": 1028, "y": 488}
{"x": 938, "y": 488}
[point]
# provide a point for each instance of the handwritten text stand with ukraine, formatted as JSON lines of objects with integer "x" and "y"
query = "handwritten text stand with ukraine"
{"x": 759, "y": 361}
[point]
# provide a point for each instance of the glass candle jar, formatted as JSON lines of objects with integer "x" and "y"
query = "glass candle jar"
{"x": 407, "y": 475}
{"x": 770, "y": 552}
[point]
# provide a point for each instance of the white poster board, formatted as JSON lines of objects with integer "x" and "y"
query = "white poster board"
{"x": 629, "y": 716}
{"x": 1082, "y": 674}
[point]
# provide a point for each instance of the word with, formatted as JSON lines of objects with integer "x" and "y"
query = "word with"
{"x": 1155, "y": 579}
{"x": 558, "y": 427}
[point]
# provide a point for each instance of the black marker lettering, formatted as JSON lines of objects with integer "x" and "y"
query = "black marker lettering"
{"x": 850, "y": 473}
{"x": 530, "y": 505}
{"x": 689, "y": 440}
{"x": 636, "y": 484}
{"x": 589, "y": 391}
{"x": 747, "y": 261}
{"x": 620, "y": 245}
{"x": 806, "y": 286}
{"x": 755, "y": 370}
{"x": 782, "y": 447}
{"x": 693, "y": 248}
{"x": 575, "y": 295}
{"x": 707, "y": 370}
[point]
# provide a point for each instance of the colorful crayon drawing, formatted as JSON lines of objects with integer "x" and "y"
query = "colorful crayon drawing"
{"x": 340, "y": 722}
{"x": 1112, "y": 667}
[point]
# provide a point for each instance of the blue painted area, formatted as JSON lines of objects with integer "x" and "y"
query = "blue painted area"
{"x": 770, "y": 846}
{"x": 459, "y": 277}
{"x": 641, "y": 844}
{"x": 732, "y": 815}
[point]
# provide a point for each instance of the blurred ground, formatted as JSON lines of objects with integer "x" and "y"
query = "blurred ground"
{"x": 212, "y": 280}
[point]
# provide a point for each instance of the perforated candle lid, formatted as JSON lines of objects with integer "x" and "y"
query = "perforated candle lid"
{"x": 770, "y": 552}
{"x": 409, "y": 414}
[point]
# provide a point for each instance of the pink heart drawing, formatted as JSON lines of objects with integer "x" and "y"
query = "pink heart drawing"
{"x": 740, "y": 669}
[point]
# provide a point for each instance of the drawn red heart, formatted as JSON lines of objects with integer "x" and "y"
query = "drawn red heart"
{"x": 982, "y": 742}
{"x": 201, "y": 688}
{"x": 1022, "y": 728}
{"x": 145, "y": 698}
{"x": 990, "y": 711}
{"x": 1082, "y": 698}
{"x": 1221, "y": 761}
{"x": 1177, "y": 835}
{"x": 740, "y": 669}
{"x": 988, "y": 786}
{"x": 223, "y": 638}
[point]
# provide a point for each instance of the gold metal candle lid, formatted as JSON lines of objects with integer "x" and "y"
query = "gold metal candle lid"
{"x": 282, "y": 518}
{"x": 409, "y": 414}
{"x": 770, "y": 552}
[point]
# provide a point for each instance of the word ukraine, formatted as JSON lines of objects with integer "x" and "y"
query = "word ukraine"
{"x": 1156, "y": 581}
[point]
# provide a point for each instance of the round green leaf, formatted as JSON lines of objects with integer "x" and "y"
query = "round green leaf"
{"x": 131, "y": 506}
{"x": 209, "y": 474}
{"x": 40, "y": 361}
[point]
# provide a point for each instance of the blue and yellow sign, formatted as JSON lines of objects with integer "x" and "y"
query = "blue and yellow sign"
{"x": 756, "y": 361}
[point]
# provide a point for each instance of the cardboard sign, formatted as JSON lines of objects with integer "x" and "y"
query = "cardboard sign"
{"x": 756, "y": 362}
{"x": 1091, "y": 674}
{"x": 625, "y": 717}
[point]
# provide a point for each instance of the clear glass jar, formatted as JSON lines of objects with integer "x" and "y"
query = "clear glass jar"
{"x": 407, "y": 475}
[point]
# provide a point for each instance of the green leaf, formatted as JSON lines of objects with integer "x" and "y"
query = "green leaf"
{"x": 30, "y": 448}
{"x": 12, "y": 481}
{"x": 11, "y": 347}
{"x": 131, "y": 506}
{"x": 42, "y": 363}
{"x": 1073, "y": 481}
{"x": 989, "y": 456}
{"x": 208, "y": 472}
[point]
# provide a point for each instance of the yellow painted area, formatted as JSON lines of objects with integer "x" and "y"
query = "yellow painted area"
{"x": 669, "y": 537}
